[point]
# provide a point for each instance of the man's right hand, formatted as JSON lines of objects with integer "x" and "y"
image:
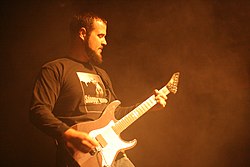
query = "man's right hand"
{"x": 80, "y": 141}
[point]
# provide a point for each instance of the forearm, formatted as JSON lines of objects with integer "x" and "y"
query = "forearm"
{"x": 45, "y": 120}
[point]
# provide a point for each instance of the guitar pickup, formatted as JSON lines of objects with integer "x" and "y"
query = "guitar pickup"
{"x": 101, "y": 140}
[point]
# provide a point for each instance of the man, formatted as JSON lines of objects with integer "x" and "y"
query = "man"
{"x": 73, "y": 89}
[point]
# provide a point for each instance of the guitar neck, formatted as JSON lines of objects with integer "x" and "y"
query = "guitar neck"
{"x": 135, "y": 114}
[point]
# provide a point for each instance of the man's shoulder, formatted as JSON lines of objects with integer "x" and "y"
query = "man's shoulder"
{"x": 59, "y": 62}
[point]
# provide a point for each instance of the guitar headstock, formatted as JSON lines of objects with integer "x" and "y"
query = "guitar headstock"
{"x": 173, "y": 83}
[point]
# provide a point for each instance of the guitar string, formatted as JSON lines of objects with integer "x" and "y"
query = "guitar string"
{"x": 131, "y": 117}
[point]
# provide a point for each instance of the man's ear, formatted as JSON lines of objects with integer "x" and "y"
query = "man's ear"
{"x": 82, "y": 33}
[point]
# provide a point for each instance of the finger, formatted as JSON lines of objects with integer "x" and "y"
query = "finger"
{"x": 161, "y": 97}
{"x": 164, "y": 96}
{"x": 85, "y": 144}
{"x": 156, "y": 92}
{"x": 159, "y": 94}
{"x": 163, "y": 103}
{"x": 84, "y": 149}
{"x": 91, "y": 140}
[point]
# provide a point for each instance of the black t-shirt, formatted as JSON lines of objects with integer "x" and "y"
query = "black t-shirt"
{"x": 67, "y": 92}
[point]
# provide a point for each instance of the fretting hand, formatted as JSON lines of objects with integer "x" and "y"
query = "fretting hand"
{"x": 160, "y": 99}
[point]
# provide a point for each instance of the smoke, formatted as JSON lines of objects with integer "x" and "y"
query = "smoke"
{"x": 204, "y": 124}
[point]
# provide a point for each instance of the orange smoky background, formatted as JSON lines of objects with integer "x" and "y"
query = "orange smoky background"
{"x": 205, "y": 124}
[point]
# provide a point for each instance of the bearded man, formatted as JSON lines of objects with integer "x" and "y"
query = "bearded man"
{"x": 72, "y": 89}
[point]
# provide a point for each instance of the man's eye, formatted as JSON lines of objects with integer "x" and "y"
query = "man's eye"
{"x": 101, "y": 35}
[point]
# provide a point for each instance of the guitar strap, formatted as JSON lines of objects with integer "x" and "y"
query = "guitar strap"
{"x": 105, "y": 82}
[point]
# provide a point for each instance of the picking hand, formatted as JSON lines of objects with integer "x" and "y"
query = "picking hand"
{"x": 81, "y": 141}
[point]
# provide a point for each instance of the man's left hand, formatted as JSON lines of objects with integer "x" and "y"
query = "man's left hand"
{"x": 160, "y": 99}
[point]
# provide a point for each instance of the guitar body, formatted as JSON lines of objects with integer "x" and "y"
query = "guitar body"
{"x": 110, "y": 142}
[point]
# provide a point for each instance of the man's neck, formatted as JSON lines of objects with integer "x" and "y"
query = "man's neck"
{"x": 78, "y": 53}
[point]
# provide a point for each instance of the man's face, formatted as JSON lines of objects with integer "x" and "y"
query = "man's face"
{"x": 96, "y": 41}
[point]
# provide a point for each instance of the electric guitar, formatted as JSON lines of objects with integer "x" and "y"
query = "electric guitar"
{"x": 106, "y": 130}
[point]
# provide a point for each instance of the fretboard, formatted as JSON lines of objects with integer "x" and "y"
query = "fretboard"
{"x": 131, "y": 117}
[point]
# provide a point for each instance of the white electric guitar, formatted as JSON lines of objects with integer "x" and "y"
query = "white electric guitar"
{"x": 106, "y": 130}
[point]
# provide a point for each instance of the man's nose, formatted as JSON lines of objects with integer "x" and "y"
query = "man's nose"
{"x": 104, "y": 42}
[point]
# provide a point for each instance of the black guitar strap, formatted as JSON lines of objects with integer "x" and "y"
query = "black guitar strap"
{"x": 105, "y": 83}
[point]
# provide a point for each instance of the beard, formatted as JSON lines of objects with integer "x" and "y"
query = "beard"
{"x": 93, "y": 56}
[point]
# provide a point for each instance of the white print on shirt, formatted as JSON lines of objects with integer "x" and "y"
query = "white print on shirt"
{"x": 93, "y": 88}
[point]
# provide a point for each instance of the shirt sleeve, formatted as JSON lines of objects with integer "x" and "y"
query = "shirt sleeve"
{"x": 45, "y": 93}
